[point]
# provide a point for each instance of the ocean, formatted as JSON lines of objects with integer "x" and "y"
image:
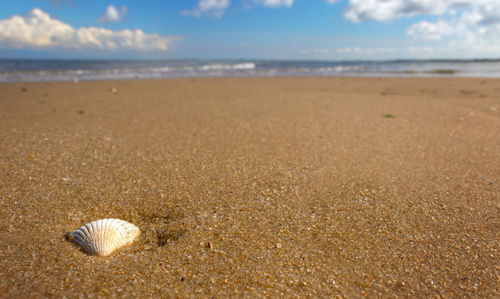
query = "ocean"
{"x": 17, "y": 70}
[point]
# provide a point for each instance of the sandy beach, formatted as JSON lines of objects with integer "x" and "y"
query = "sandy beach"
{"x": 287, "y": 187}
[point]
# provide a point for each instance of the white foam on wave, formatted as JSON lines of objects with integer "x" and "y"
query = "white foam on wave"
{"x": 339, "y": 69}
{"x": 223, "y": 67}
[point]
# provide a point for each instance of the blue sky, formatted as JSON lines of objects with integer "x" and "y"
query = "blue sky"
{"x": 259, "y": 29}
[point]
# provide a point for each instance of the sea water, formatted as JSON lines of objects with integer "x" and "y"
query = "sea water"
{"x": 17, "y": 70}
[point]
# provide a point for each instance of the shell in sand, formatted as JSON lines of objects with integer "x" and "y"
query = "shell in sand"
{"x": 102, "y": 237}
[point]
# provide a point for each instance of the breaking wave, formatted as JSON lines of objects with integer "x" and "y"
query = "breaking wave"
{"x": 67, "y": 70}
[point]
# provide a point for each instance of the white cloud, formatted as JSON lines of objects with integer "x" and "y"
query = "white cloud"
{"x": 348, "y": 52}
{"x": 38, "y": 30}
{"x": 431, "y": 31}
{"x": 366, "y": 51}
{"x": 463, "y": 26}
{"x": 383, "y": 10}
{"x": 112, "y": 14}
{"x": 213, "y": 8}
{"x": 479, "y": 22}
{"x": 276, "y": 3}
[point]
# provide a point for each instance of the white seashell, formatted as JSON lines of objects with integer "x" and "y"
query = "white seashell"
{"x": 103, "y": 236}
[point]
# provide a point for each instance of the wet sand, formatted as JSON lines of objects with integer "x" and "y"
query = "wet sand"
{"x": 253, "y": 186}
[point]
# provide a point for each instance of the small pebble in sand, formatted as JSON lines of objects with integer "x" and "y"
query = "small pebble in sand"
{"x": 114, "y": 90}
{"x": 104, "y": 236}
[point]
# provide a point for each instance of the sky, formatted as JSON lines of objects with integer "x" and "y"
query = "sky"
{"x": 250, "y": 29}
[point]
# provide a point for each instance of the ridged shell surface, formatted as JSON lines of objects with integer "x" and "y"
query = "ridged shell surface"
{"x": 102, "y": 237}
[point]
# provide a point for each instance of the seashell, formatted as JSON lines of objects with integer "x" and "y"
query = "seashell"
{"x": 102, "y": 237}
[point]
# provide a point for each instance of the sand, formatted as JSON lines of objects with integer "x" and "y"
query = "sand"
{"x": 253, "y": 186}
